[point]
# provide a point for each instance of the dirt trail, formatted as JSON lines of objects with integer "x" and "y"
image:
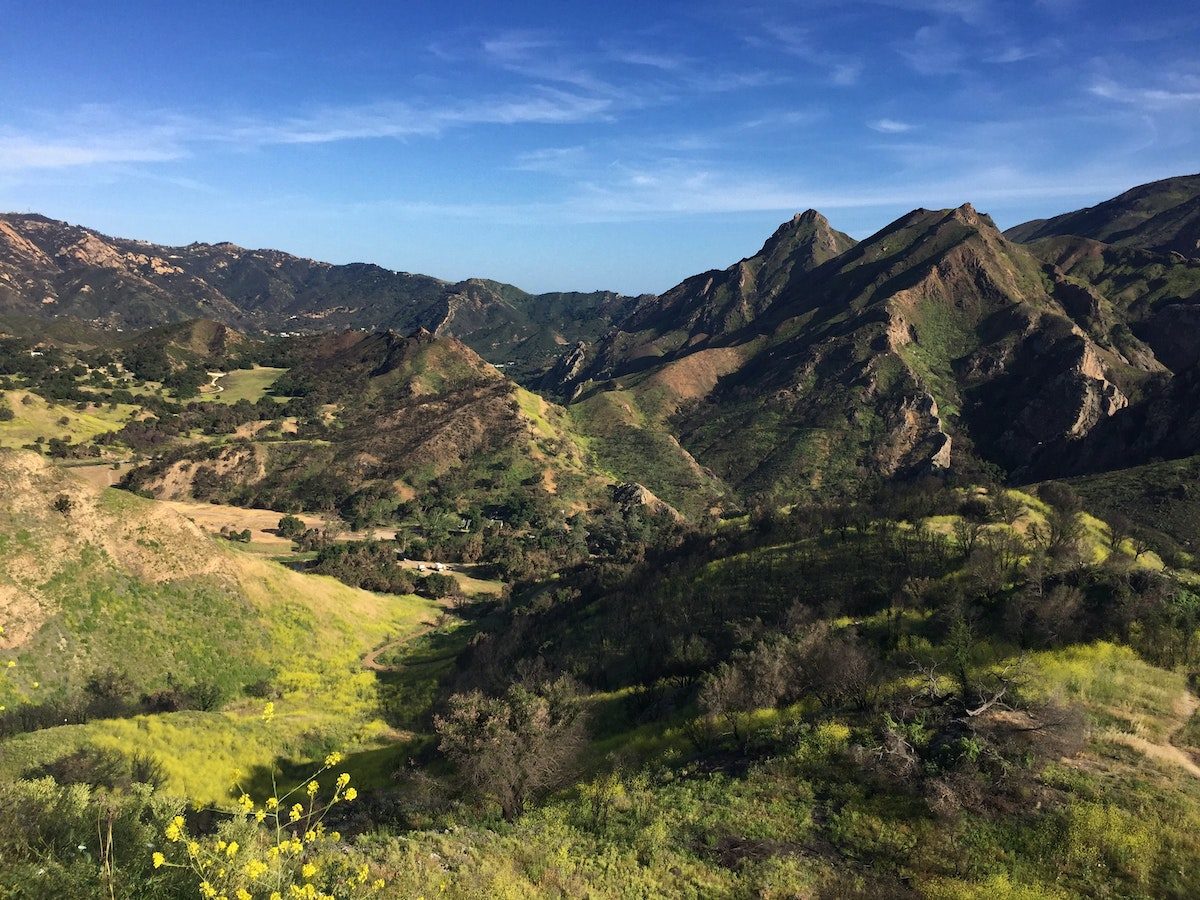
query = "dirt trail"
{"x": 371, "y": 660}
{"x": 1166, "y": 752}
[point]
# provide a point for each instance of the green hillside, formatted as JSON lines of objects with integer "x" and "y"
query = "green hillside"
{"x": 215, "y": 629}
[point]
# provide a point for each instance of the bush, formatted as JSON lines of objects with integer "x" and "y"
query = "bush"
{"x": 438, "y": 585}
{"x": 290, "y": 527}
{"x": 98, "y": 767}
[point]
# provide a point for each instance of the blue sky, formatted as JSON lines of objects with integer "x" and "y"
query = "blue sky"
{"x": 619, "y": 145}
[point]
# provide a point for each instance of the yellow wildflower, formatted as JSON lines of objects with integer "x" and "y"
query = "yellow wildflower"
{"x": 159, "y": 860}
{"x": 256, "y": 868}
{"x": 268, "y": 712}
{"x": 343, "y": 779}
{"x": 232, "y": 849}
{"x": 296, "y": 813}
{"x": 174, "y": 831}
{"x": 272, "y": 802}
{"x": 333, "y": 759}
{"x": 351, "y": 794}
{"x": 313, "y": 787}
{"x": 243, "y": 894}
{"x": 308, "y": 870}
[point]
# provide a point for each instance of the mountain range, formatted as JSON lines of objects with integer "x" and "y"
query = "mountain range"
{"x": 856, "y": 568}
{"x": 1061, "y": 346}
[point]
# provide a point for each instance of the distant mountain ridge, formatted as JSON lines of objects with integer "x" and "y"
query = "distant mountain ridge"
{"x": 1163, "y": 216}
{"x": 817, "y": 364}
{"x": 50, "y": 268}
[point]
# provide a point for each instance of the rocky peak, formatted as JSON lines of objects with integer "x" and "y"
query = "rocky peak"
{"x": 806, "y": 239}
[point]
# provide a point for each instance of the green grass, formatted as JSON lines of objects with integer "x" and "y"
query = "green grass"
{"x": 37, "y": 418}
{"x": 1119, "y": 689}
{"x": 245, "y": 384}
{"x": 117, "y": 586}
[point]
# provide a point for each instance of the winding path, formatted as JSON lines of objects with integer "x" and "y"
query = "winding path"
{"x": 371, "y": 660}
{"x": 1165, "y": 752}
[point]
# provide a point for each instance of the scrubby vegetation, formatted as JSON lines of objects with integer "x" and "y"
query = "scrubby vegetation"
{"x": 934, "y": 690}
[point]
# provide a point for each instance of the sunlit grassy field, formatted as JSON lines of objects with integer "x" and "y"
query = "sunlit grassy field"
{"x": 34, "y": 417}
{"x": 245, "y": 384}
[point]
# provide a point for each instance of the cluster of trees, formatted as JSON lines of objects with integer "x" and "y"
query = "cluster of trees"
{"x": 372, "y": 565}
{"x": 837, "y": 607}
{"x": 110, "y": 695}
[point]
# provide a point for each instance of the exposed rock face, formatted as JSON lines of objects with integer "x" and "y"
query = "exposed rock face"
{"x": 630, "y": 497}
{"x": 1164, "y": 424}
{"x": 563, "y": 378}
{"x": 915, "y": 441}
{"x": 876, "y": 360}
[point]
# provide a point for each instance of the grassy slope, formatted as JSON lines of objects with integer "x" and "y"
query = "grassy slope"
{"x": 1116, "y": 818}
{"x": 1162, "y": 499}
{"x": 230, "y": 618}
{"x": 37, "y": 418}
{"x": 245, "y": 384}
{"x": 627, "y": 446}
{"x": 1112, "y": 820}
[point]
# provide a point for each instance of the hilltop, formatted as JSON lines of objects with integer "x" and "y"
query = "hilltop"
{"x": 1163, "y": 216}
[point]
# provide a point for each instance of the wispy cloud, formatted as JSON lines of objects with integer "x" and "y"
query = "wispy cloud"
{"x": 842, "y": 70}
{"x": 932, "y": 50}
{"x": 87, "y": 139}
{"x": 21, "y": 151}
{"x": 555, "y": 160}
{"x": 890, "y": 126}
{"x": 788, "y": 118}
{"x": 1185, "y": 94}
{"x": 653, "y": 59}
{"x": 972, "y": 12}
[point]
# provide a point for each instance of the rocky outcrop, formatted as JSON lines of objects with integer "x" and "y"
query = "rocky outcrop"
{"x": 632, "y": 497}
